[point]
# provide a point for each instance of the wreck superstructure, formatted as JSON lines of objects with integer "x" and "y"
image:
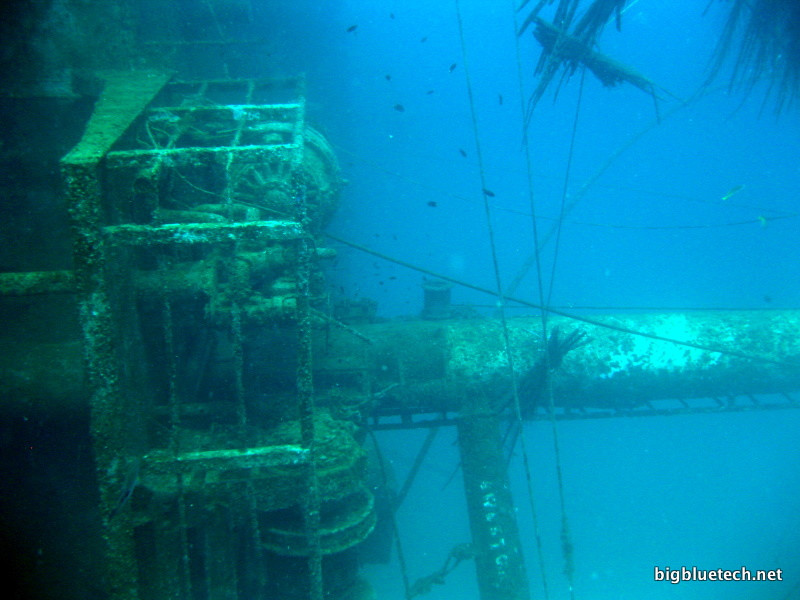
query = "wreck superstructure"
{"x": 229, "y": 409}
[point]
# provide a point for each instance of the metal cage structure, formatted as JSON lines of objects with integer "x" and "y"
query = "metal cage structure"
{"x": 194, "y": 207}
{"x": 228, "y": 411}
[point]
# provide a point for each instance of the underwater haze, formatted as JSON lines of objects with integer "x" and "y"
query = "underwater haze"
{"x": 686, "y": 201}
{"x": 651, "y": 230}
{"x": 699, "y": 212}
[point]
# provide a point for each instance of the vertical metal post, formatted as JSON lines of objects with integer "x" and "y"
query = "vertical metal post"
{"x": 495, "y": 535}
{"x": 184, "y": 572}
{"x": 248, "y": 491}
{"x": 107, "y": 412}
{"x": 305, "y": 394}
{"x": 305, "y": 383}
{"x": 221, "y": 556}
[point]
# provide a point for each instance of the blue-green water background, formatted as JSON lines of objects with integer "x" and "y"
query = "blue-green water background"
{"x": 717, "y": 491}
{"x": 710, "y": 491}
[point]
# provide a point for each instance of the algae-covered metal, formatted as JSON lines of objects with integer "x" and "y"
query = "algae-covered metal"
{"x": 192, "y": 223}
{"x": 629, "y": 360}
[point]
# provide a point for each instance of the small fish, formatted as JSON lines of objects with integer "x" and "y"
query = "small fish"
{"x": 399, "y": 108}
{"x": 388, "y": 77}
{"x": 352, "y": 28}
{"x": 732, "y": 192}
{"x": 763, "y": 220}
{"x": 432, "y": 204}
{"x": 391, "y": 15}
{"x": 500, "y": 99}
{"x": 462, "y": 153}
{"x": 429, "y": 92}
{"x": 423, "y": 39}
{"x": 489, "y": 193}
{"x": 453, "y": 67}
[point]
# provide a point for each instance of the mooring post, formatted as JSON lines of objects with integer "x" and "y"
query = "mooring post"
{"x": 492, "y": 516}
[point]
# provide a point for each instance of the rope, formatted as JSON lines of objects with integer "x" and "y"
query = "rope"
{"x": 520, "y": 433}
{"x": 566, "y": 538}
{"x": 562, "y": 210}
{"x": 762, "y": 219}
{"x": 562, "y": 313}
{"x": 481, "y": 170}
{"x": 566, "y": 542}
{"x": 401, "y": 557}
{"x": 412, "y": 474}
{"x": 578, "y": 196}
{"x": 498, "y": 283}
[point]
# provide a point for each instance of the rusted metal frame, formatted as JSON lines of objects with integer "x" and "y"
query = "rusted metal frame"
{"x": 387, "y": 420}
{"x": 31, "y": 283}
{"x": 305, "y": 383}
{"x": 194, "y": 154}
{"x": 123, "y": 98}
{"x": 107, "y": 414}
{"x": 201, "y": 233}
{"x": 282, "y": 112}
{"x": 184, "y": 568}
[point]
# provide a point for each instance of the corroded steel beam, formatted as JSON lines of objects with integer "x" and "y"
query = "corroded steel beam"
{"x": 431, "y": 366}
{"x": 33, "y": 283}
{"x": 497, "y": 547}
{"x": 416, "y": 367}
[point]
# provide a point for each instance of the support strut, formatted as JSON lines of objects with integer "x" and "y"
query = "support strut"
{"x": 492, "y": 517}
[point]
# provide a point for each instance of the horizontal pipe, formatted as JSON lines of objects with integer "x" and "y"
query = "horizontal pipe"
{"x": 430, "y": 366}
{"x": 32, "y": 283}
{"x": 416, "y": 367}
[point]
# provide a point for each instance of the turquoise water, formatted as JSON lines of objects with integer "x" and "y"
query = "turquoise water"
{"x": 690, "y": 204}
{"x": 652, "y": 231}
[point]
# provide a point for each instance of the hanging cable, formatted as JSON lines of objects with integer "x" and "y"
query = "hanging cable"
{"x": 566, "y": 537}
{"x": 535, "y": 231}
{"x": 545, "y": 300}
{"x": 563, "y": 204}
{"x": 498, "y": 283}
{"x": 562, "y": 313}
{"x": 762, "y": 219}
{"x": 582, "y": 191}
{"x": 401, "y": 557}
{"x": 481, "y": 171}
{"x": 412, "y": 474}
